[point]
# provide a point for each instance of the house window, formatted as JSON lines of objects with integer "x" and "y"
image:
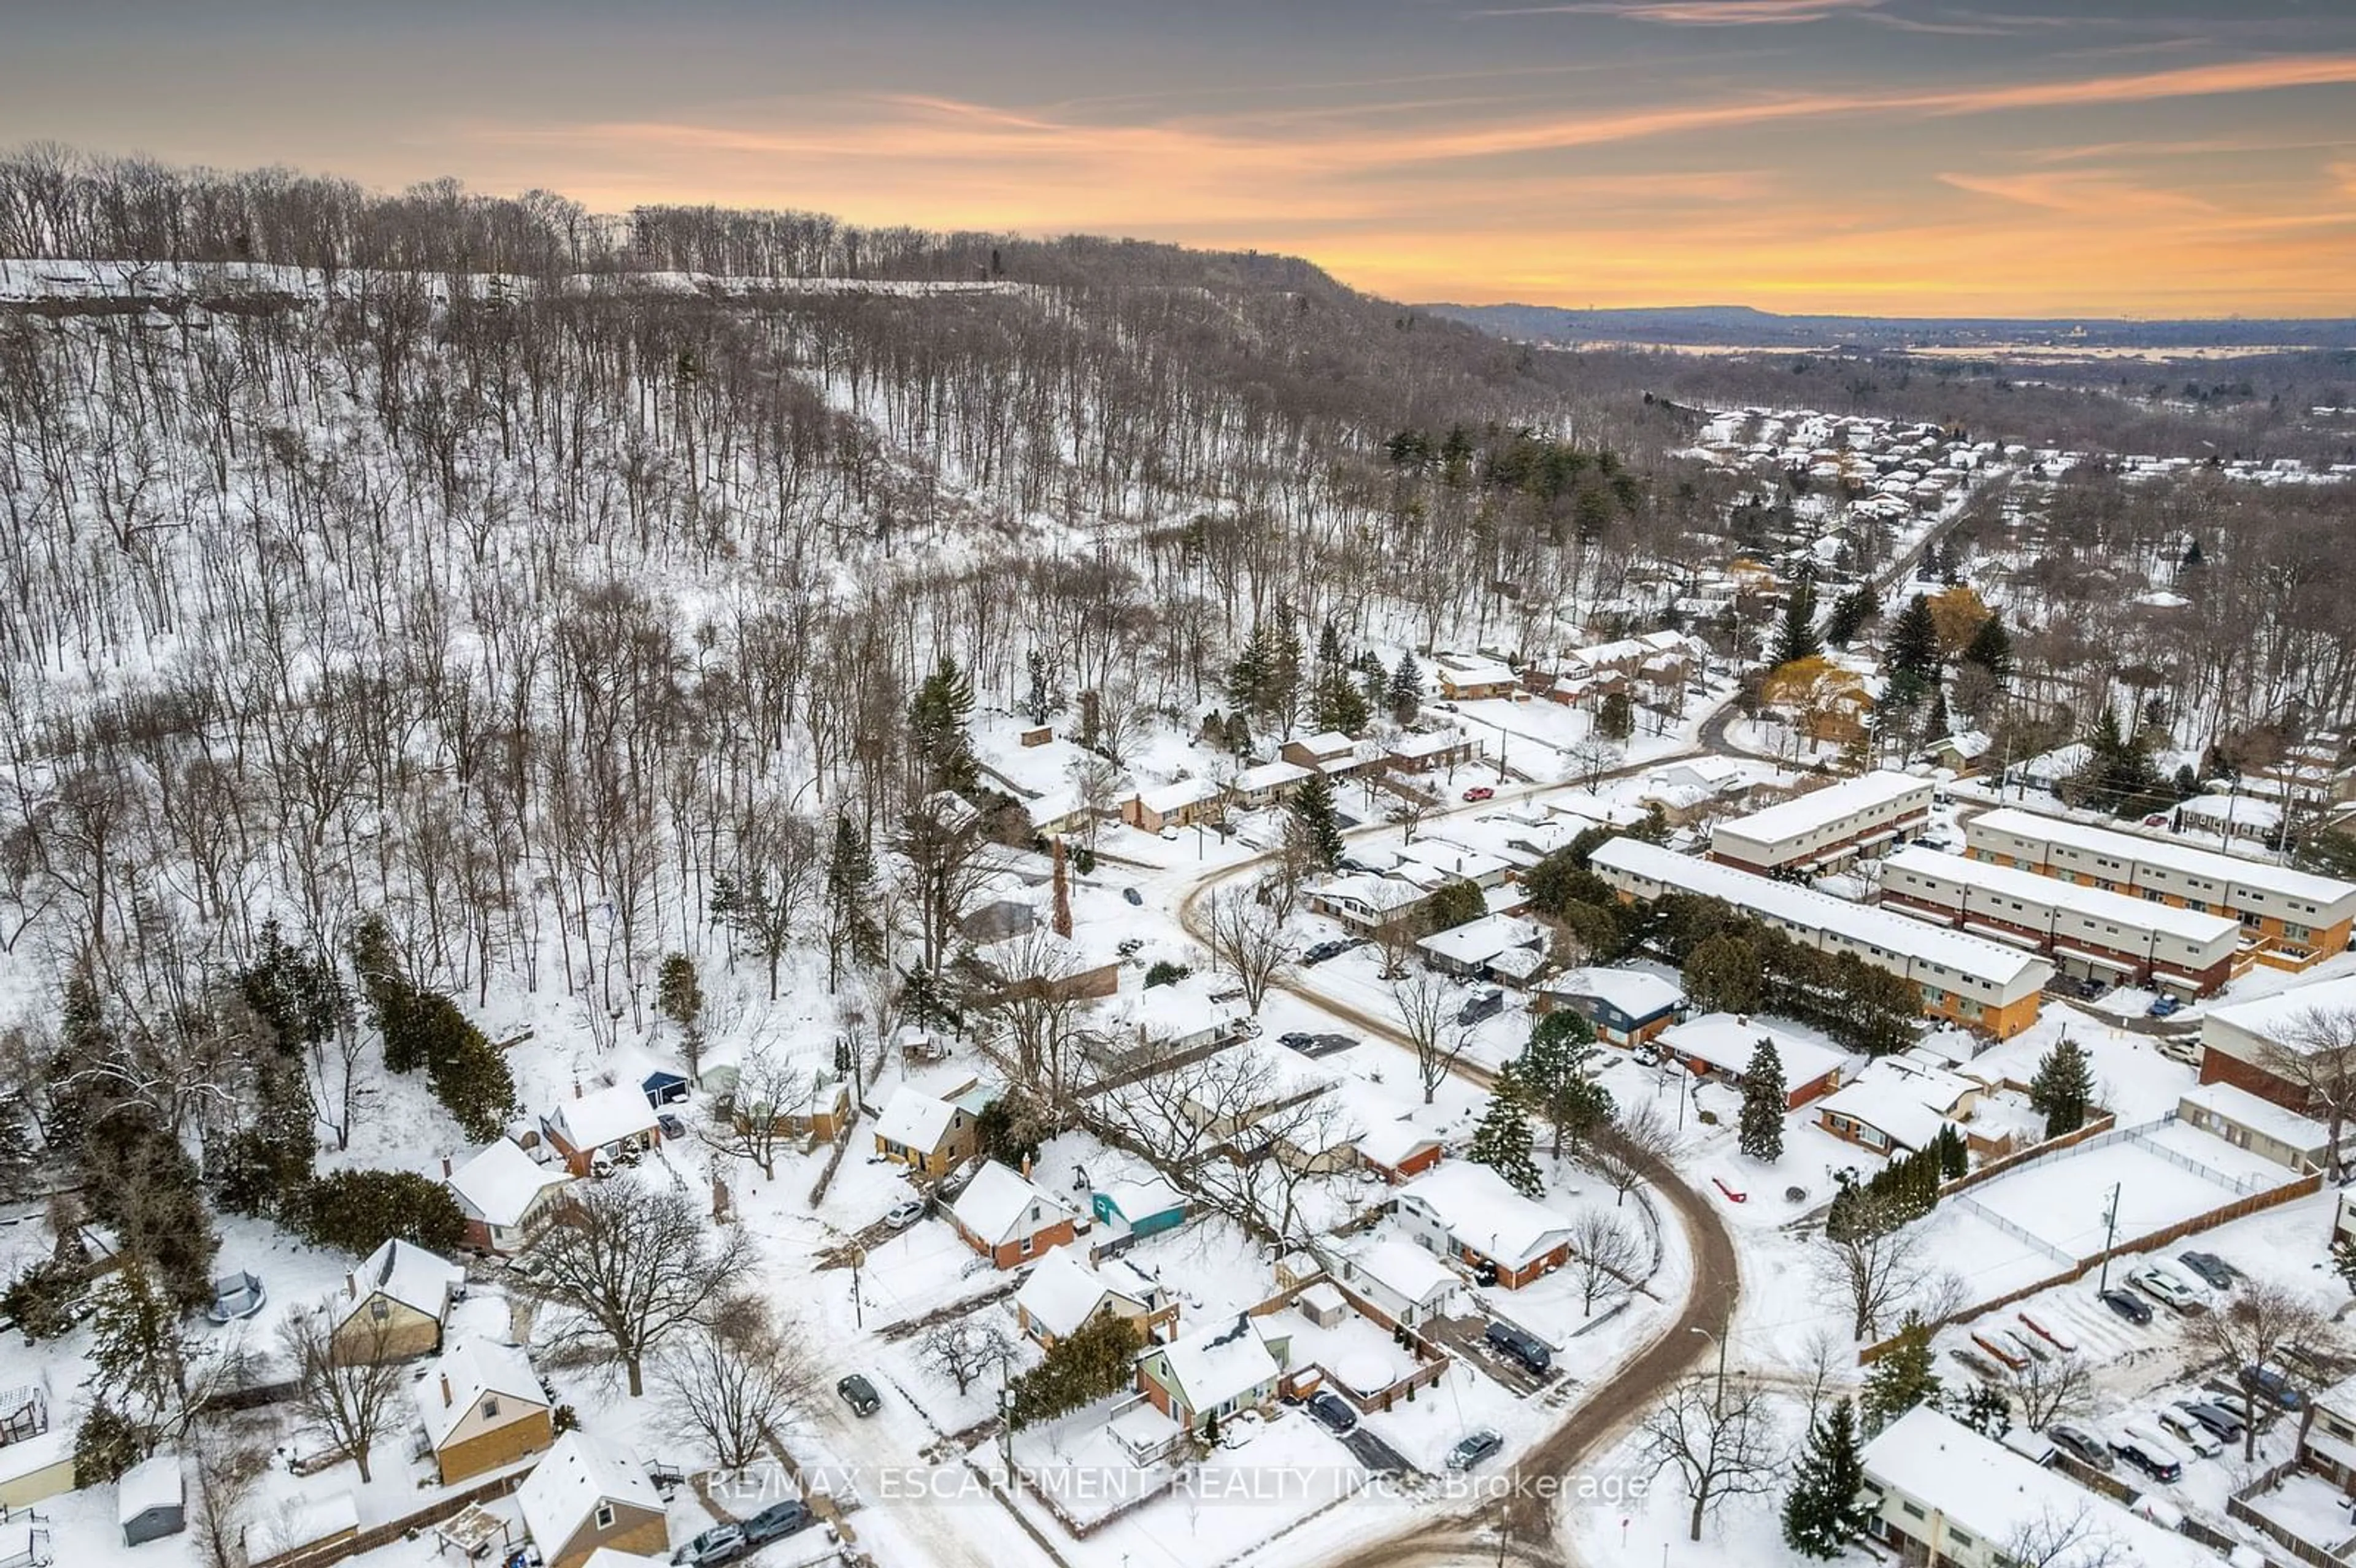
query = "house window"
{"x": 1913, "y": 1510}
{"x": 379, "y": 1309}
{"x": 605, "y": 1516}
{"x": 1028, "y": 1242}
{"x": 491, "y": 1408}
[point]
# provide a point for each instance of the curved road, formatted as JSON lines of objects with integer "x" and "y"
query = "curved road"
{"x": 1529, "y": 1519}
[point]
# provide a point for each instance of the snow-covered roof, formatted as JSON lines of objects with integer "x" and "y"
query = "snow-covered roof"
{"x": 1381, "y": 894}
{"x": 915, "y": 1119}
{"x": 407, "y": 1274}
{"x": 2058, "y": 893}
{"x": 1882, "y": 790}
{"x": 1268, "y": 776}
{"x": 1428, "y": 744}
{"x": 502, "y": 1183}
{"x": 154, "y": 1483}
{"x": 1387, "y": 1142}
{"x": 2277, "y": 1018}
{"x": 1403, "y": 1269}
{"x": 1634, "y": 993}
{"x": 1481, "y": 1211}
{"x": 1225, "y": 1361}
{"x": 1064, "y": 1292}
{"x": 2245, "y": 1109}
{"x": 1478, "y": 940}
{"x": 1456, "y": 860}
{"x": 1991, "y": 963}
{"x": 1000, "y": 1205}
{"x": 1474, "y": 672}
{"x": 1326, "y": 743}
{"x": 1149, "y": 1195}
{"x": 1998, "y": 1496}
{"x": 603, "y": 1116}
{"x": 572, "y": 1479}
{"x": 1178, "y": 797}
{"x": 455, "y": 1383}
{"x": 1886, "y": 1104}
{"x": 2185, "y": 859}
{"x": 1725, "y": 1040}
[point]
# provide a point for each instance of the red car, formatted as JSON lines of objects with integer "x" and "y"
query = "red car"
{"x": 1479, "y": 792}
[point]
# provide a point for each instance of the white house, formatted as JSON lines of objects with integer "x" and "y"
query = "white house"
{"x": 1211, "y": 1373}
{"x": 505, "y": 1194}
{"x": 1468, "y": 1212}
{"x": 1402, "y": 1281}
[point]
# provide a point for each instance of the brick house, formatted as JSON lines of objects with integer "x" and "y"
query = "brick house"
{"x": 1007, "y": 1220}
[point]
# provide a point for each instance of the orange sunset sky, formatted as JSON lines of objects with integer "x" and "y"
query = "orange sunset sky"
{"x": 2105, "y": 157}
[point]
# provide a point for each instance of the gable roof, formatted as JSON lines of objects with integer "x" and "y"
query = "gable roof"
{"x": 1632, "y": 992}
{"x": 603, "y": 1116}
{"x": 1062, "y": 1292}
{"x": 1482, "y": 1211}
{"x": 1001, "y": 1205}
{"x": 1222, "y": 1362}
{"x": 915, "y": 1119}
{"x": 565, "y": 1488}
{"x": 1404, "y": 1269}
{"x": 470, "y": 1370}
{"x": 501, "y": 1184}
{"x": 409, "y": 1274}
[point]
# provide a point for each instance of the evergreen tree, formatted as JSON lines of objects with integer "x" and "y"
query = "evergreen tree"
{"x": 1338, "y": 704}
{"x": 2343, "y": 1262}
{"x": 1764, "y": 1100}
{"x": 1991, "y": 648}
{"x": 1615, "y": 718}
{"x": 1851, "y": 613}
{"x": 1041, "y": 702}
{"x": 1404, "y": 696}
{"x": 144, "y": 1187}
{"x": 1502, "y": 1141}
{"x": 851, "y": 930}
{"x": 1797, "y": 637}
{"x": 1097, "y": 1358}
{"x": 2118, "y": 776}
{"x": 20, "y": 1163}
{"x": 1986, "y": 1411}
{"x": 1954, "y": 1159}
{"x": 1724, "y": 975}
{"x": 1555, "y": 1075}
{"x": 1905, "y": 1377}
{"x": 1247, "y": 677}
{"x": 1456, "y": 901}
{"x": 678, "y": 997}
{"x": 2192, "y": 559}
{"x": 2063, "y": 1087}
{"x": 1914, "y": 642}
{"x": 1821, "y": 1515}
{"x": 1313, "y": 815}
{"x": 937, "y": 737}
{"x": 1938, "y": 722}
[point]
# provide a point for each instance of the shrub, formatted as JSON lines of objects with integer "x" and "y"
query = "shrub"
{"x": 356, "y": 1210}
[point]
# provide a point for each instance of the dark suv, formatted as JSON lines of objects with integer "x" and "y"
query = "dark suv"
{"x": 1524, "y": 1348}
{"x": 776, "y": 1522}
{"x": 1486, "y": 1003}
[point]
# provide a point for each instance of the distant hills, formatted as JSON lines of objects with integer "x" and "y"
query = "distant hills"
{"x": 1739, "y": 326}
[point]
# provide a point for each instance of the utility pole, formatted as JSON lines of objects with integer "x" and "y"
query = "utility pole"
{"x": 2110, "y": 1234}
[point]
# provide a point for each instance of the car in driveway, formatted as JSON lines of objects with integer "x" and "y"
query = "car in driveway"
{"x": 672, "y": 1128}
{"x": 905, "y": 1213}
{"x": 860, "y": 1395}
{"x": 2080, "y": 1444}
{"x": 2167, "y": 1289}
{"x": 2273, "y": 1385}
{"x": 1132, "y": 895}
{"x": 2167, "y": 1007}
{"x": 1475, "y": 1446}
{"x": 721, "y": 1543}
{"x": 2147, "y": 1451}
{"x": 1333, "y": 1413}
{"x": 778, "y": 1520}
{"x": 2212, "y": 1269}
{"x": 2223, "y": 1421}
{"x": 1479, "y": 792}
{"x": 1482, "y": 1004}
{"x": 1297, "y": 1039}
{"x": 2182, "y": 1428}
{"x": 1319, "y": 952}
{"x": 1522, "y": 1347}
{"x": 2126, "y": 1304}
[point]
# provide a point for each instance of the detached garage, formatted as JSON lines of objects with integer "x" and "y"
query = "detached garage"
{"x": 151, "y": 1500}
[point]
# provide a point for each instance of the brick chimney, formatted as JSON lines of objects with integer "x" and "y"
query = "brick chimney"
{"x": 446, "y": 1167}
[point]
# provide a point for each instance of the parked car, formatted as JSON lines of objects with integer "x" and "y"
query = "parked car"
{"x": 1646, "y": 1056}
{"x": 2211, "y": 1268}
{"x": 1240, "y": 1428}
{"x": 778, "y": 1520}
{"x": 859, "y": 1394}
{"x": 2126, "y": 1304}
{"x": 1483, "y": 1004}
{"x": 1297, "y": 1039}
{"x": 672, "y": 1128}
{"x": 1479, "y": 792}
{"x": 2080, "y": 1444}
{"x": 2273, "y": 1385}
{"x": 1131, "y": 894}
{"x": 2223, "y": 1420}
{"x": 1526, "y": 1349}
{"x": 1473, "y": 1447}
{"x": 905, "y": 1213}
{"x": 1333, "y": 1411}
{"x": 721, "y": 1543}
{"x": 1319, "y": 952}
{"x": 2193, "y": 1435}
{"x": 2164, "y": 1007}
{"x": 2146, "y": 1452}
{"x": 2167, "y": 1289}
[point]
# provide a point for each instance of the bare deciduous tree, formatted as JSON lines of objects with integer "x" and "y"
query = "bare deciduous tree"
{"x": 1879, "y": 1267}
{"x": 967, "y": 1349}
{"x": 1606, "y": 1253}
{"x": 769, "y": 1109}
{"x": 1634, "y": 1149}
{"x": 2316, "y": 1055}
{"x": 1427, "y": 1010}
{"x": 2072, "y": 1536}
{"x": 1723, "y": 1446}
{"x": 350, "y": 1386}
{"x": 628, "y": 1264}
{"x": 733, "y": 1376}
{"x": 2261, "y": 1320}
{"x": 2048, "y": 1388}
{"x": 226, "y": 1461}
{"x": 1249, "y": 936}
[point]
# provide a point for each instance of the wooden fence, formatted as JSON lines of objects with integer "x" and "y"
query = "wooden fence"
{"x": 2029, "y": 1156}
{"x": 2238, "y": 1507}
{"x": 2240, "y": 1209}
{"x": 320, "y": 1554}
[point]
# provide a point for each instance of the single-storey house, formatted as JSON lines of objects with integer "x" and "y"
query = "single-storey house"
{"x": 393, "y": 1306}
{"x": 929, "y": 1136}
{"x": 1143, "y": 1208}
{"x": 1470, "y": 951}
{"x": 505, "y": 1194}
{"x": 482, "y": 1406}
{"x": 586, "y": 1494}
{"x": 1269, "y": 784}
{"x": 1447, "y": 860}
{"x": 1365, "y": 903}
{"x": 812, "y": 1098}
{"x": 1720, "y": 1046}
{"x": 1333, "y": 754}
{"x": 1403, "y": 1283}
{"x": 1626, "y": 1007}
{"x": 613, "y": 1122}
{"x": 1431, "y": 749}
{"x": 1180, "y": 805}
{"x": 1007, "y": 1220}
{"x": 1212, "y": 1372}
{"x": 1063, "y": 1292}
{"x": 1895, "y": 1106}
{"x": 1468, "y": 1212}
{"x": 1398, "y": 1150}
{"x": 151, "y": 1500}
{"x": 2254, "y": 1123}
{"x": 1467, "y": 678}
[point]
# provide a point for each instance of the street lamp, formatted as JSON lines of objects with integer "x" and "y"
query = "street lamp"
{"x": 1718, "y": 1406}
